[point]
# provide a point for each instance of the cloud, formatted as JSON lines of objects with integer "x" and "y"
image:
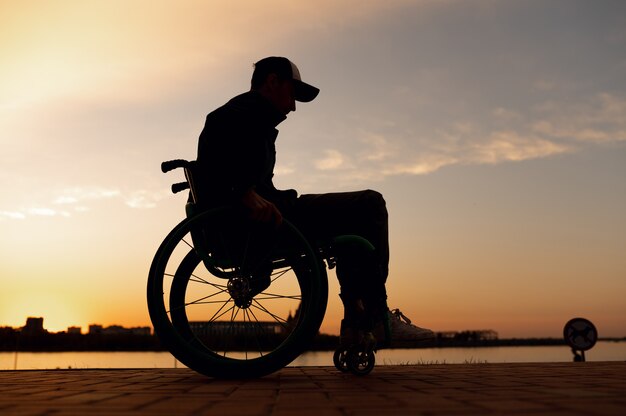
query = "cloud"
{"x": 79, "y": 200}
{"x": 44, "y": 212}
{"x": 599, "y": 119}
{"x": 81, "y": 194}
{"x": 549, "y": 129}
{"x": 498, "y": 147}
{"x": 139, "y": 199}
{"x": 284, "y": 170}
{"x": 143, "y": 199}
{"x": 507, "y": 146}
{"x": 462, "y": 144}
{"x": 501, "y": 135}
{"x": 334, "y": 160}
{"x": 506, "y": 114}
{"x": 580, "y": 134}
{"x": 12, "y": 215}
{"x": 421, "y": 166}
{"x": 378, "y": 147}
{"x": 63, "y": 200}
{"x": 47, "y": 212}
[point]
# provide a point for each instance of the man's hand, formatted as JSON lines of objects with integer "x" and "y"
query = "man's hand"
{"x": 261, "y": 209}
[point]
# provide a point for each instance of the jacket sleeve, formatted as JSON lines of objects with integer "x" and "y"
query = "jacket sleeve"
{"x": 230, "y": 156}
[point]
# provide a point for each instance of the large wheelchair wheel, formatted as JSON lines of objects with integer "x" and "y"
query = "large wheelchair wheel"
{"x": 231, "y": 299}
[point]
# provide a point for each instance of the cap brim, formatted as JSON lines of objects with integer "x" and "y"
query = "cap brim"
{"x": 304, "y": 92}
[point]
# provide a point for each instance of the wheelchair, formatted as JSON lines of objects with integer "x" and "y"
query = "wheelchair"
{"x": 230, "y": 298}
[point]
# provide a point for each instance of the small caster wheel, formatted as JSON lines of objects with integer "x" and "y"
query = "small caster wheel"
{"x": 360, "y": 362}
{"x": 340, "y": 360}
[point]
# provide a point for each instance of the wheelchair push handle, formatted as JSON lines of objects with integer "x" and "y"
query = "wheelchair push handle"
{"x": 180, "y": 186}
{"x": 174, "y": 164}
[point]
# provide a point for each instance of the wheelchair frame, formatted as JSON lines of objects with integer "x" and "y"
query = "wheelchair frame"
{"x": 216, "y": 276}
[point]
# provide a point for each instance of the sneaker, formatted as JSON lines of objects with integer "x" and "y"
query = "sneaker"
{"x": 403, "y": 331}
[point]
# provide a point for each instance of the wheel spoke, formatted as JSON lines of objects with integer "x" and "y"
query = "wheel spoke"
{"x": 218, "y": 315}
{"x": 200, "y": 301}
{"x": 278, "y": 275}
{"x": 277, "y": 318}
{"x": 274, "y": 296}
{"x": 261, "y": 330}
{"x": 198, "y": 279}
{"x": 205, "y": 300}
{"x": 188, "y": 244}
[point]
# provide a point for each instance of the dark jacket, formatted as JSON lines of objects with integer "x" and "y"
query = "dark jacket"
{"x": 236, "y": 151}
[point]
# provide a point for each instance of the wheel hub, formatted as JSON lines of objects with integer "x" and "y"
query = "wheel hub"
{"x": 239, "y": 290}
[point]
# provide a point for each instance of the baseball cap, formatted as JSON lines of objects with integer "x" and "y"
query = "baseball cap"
{"x": 285, "y": 69}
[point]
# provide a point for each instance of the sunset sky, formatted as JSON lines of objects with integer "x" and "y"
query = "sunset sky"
{"x": 495, "y": 129}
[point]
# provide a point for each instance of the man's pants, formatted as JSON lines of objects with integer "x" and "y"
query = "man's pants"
{"x": 321, "y": 217}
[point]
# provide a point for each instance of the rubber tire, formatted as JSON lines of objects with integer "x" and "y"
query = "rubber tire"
{"x": 340, "y": 360}
{"x": 360, "y": 362}
{"x": 174, "y": 334}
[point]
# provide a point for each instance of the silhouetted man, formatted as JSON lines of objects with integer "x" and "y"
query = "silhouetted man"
{"x": 236, "y": 158}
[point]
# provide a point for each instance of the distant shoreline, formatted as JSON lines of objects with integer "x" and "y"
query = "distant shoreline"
{"x": 323, "y": 342}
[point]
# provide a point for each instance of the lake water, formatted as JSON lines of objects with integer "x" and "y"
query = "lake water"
{"x": 602, "y": 351}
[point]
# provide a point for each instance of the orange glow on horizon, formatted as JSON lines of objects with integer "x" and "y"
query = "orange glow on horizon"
{"x": 503, "y": 176}
{"x": 58, "y": 313}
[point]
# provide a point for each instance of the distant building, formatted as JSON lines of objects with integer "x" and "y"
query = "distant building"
{"x": 34, "y": 326}
{"x": 472, "y": 335}
{"x": 95, "y": 329}
{"x": 218, "y": 328}
{"x": 142, "y": 330}
{"x": 114, "y": 330}
{"x": 76, "y": 330}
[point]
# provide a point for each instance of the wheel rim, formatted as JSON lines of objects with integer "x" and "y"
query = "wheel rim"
{"x": 210, "y": 315}
{"x": 221, "y": 318}
{"x": 340, "y": 360}
{"x": 360, "y": 362}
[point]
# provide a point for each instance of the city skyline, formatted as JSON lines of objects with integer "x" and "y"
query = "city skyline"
{"x": 35, "y": 324}
{"x": 495, "y": 130}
